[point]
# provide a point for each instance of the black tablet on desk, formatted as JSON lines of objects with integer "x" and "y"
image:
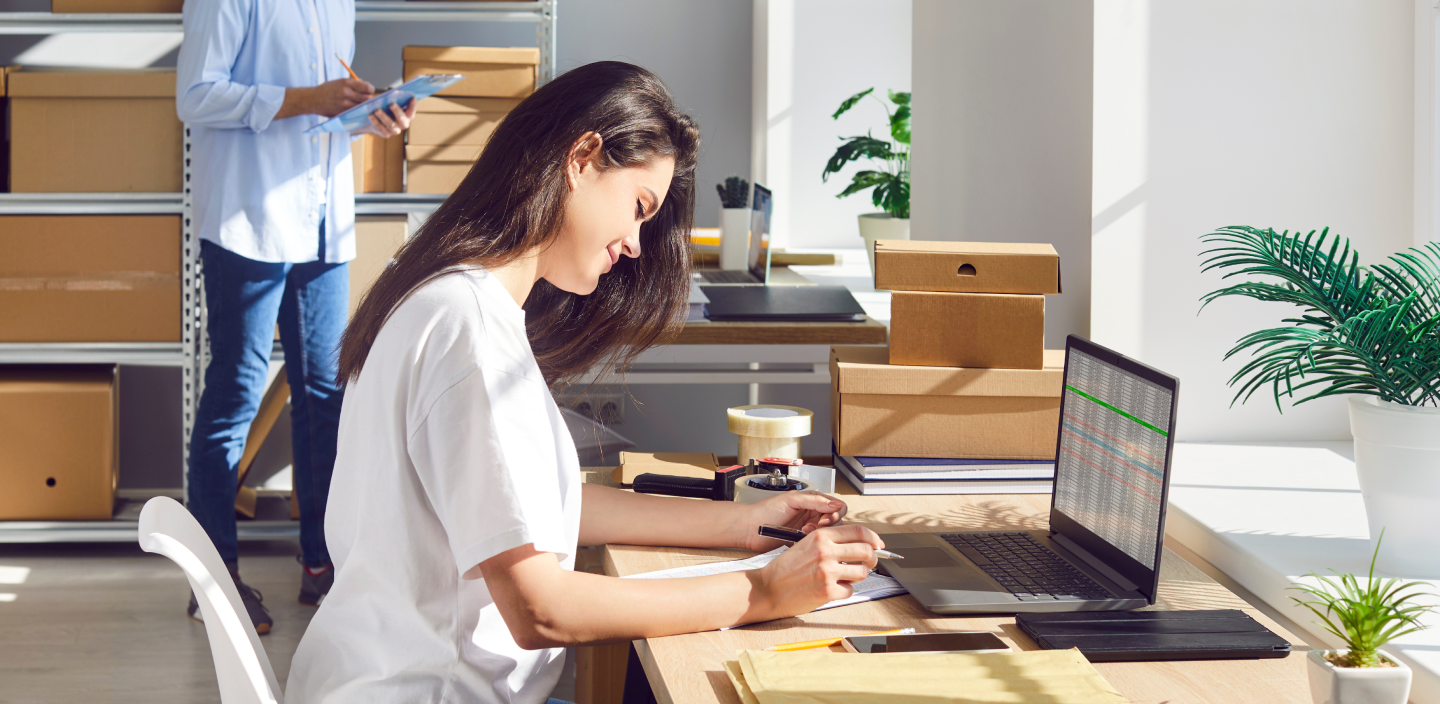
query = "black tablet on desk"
{"x": 1112, "y": 636}
{"x": 796, "y": 304}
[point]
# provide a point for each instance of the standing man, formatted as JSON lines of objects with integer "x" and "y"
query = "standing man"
{"x": 274, "y": 208}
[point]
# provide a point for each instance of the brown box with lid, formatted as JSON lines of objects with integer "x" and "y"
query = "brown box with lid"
{"x": 967, "y": 267}
{"x": 93, "y": 132}
{"x": 58, "y": 442}
{"x": 490, "y": 72}
{"x": 886, "y": 410}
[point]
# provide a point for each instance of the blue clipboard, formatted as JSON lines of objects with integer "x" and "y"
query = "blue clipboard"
{"x": 419, "y": 88}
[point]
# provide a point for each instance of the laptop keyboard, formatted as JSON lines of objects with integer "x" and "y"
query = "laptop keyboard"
{"x": 1026, "y": 567}
{"x": 728, "y": 276}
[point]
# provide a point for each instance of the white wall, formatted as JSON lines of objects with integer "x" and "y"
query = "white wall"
{"x": 1002, "y": 134}
{"x": 815, "y": 54}
{"x": 1277, "y": 113}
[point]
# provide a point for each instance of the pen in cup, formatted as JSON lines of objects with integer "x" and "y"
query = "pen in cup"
{"x": 786, "y": 535}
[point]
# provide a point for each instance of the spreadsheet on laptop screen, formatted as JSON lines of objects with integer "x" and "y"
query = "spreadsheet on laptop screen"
{"x": 1111, "y": 465}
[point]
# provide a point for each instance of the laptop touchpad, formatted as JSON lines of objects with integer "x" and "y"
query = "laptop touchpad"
{"x": 917, "y": 558}
{"x": 938, "y": 568}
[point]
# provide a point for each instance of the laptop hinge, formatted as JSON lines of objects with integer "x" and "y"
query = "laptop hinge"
{"x": 1094, "y": 562}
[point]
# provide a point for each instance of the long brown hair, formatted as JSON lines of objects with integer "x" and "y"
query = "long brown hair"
{"x": 513, "y": 200}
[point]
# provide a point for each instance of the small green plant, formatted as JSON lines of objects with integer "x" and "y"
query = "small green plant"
{"x": 734, "y": 193}
{"x": 1365, "y": 617}
{"x": 892, "y": 182}
{"x": 1363, "y": 330}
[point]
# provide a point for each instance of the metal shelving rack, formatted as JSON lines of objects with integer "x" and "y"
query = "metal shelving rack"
{"x": 191, "y": 353}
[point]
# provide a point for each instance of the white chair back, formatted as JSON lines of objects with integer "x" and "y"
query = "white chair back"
{"x": 241, "y": 666}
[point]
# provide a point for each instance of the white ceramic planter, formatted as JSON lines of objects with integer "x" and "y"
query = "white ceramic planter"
{"x": 734, "y": 238}
{"x": 1356, "y": 685}
{"x": 1397, "y": 457}
{"x": 880, "y": 226}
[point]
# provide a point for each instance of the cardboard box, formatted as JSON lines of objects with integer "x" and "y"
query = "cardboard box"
{"x": 884, "y": 410}
{"x": 457, "y": 120}
{"x": 701, "y": 465}
{"x": 379, "y": 164}
{"x": 94, "y": 132}
{"x": 438, "y": 168}
{"x": 377, "y": 239}
{"x": 489, "y": 72}
{"x": 58, "y": 442}
{"x": 116, "y": 6}
{"x": 966, "y": 267}
{"x": 90, "y": 278}
{"x": 983, "y": 330}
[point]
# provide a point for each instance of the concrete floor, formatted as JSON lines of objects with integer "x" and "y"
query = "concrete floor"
{"x": 106, "y": 623}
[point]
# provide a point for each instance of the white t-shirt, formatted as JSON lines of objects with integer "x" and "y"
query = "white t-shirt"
{"x": 451, "y": 451}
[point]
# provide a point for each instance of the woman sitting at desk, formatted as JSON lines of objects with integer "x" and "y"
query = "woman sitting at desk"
{"x": 457, "y": 505}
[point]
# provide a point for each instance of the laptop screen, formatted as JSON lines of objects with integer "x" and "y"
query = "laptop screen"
{"x": 760, "y": 234}
{"x": 1113, "y": 455}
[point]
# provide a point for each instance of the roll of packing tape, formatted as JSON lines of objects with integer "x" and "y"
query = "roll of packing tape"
{"x": 769, "y": 431}
{"x": 747, "y": 492}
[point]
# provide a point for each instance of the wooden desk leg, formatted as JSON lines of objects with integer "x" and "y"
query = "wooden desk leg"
{"x": 600, "y": 673}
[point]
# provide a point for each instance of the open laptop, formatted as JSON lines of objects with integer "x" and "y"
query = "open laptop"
{"x": 758, "y": 272}
{"x": 1107, "y": 514}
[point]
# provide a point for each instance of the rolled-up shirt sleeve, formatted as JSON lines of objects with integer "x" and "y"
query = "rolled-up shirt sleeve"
{"x": 204, "y": 94}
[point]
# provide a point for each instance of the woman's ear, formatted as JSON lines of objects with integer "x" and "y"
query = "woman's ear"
{"x": 583, "y": 155}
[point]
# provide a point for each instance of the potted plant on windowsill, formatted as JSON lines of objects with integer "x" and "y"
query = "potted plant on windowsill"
{"x": 1365, "y": 617}
{"x": 891, "y": 182}
{"x": 1370, "y": 333}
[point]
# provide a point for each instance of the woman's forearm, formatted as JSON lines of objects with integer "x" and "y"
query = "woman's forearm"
{"x": 547, "y": 607}
{"x": 613, "y": 516}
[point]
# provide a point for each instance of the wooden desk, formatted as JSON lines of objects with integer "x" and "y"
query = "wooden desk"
{"x": 686, "y": 669}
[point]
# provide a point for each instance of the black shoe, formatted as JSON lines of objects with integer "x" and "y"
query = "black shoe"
{"x": 250, "y": 597}
{"x": 314, "y": 585}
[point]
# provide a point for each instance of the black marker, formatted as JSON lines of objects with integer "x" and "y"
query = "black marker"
{"x": 786, "y": 535}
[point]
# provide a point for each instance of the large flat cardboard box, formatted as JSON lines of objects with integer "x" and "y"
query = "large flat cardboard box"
{"x": 438, "y": 168}
{"x": 116, "y": 6}
{"x": 379, "y": 164}
{"x": 983, "y": 330}
{"x": 90, "y": 278}
{"x": 489, "y": 72}
{"x": 112, "y": 132}
{"x": 458, "y": 120}
{"x": 966, "y": 267}
{"x": 701, "y": 465}
{"x": 885, "y": 410}
{"x": 58, "y": 442}
{"x": 377, "y": 239}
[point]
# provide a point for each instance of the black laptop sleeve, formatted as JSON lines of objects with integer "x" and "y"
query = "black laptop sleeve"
{"x": 1110, "y": 636}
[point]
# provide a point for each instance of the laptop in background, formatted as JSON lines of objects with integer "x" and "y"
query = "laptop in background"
{"x": 1107, "y": 514}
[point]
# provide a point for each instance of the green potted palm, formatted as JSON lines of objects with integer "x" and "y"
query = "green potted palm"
{"x": 1365, "y": 618}
{"x": 889, "y": 182}
{"x": 1371, "y": 333}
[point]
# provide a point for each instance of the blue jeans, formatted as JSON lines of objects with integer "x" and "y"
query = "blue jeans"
{"x": 245, "y": 299}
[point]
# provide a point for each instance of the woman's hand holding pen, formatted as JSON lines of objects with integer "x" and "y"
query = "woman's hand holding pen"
{"x": 327, "y": 99}
{"x": 818, "y": 569}
{"x": 801, "y": 510}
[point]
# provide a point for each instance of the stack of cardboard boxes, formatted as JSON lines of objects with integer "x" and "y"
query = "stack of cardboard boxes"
{"x": 966, "y": 374}
{"x": 451, "y": 128}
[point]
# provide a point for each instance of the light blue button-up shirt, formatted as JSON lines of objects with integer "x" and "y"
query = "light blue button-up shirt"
{"x": 260, "y": 186}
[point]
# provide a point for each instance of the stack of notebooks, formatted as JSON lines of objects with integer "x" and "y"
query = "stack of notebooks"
{"x": 880, "y": 476}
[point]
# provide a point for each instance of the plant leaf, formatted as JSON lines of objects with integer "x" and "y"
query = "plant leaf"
{"x": 856, "y": 148}
{"x": 899, "y": 98}
{"x": 900, "y": 124}
{"x": 850, "y": 102}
